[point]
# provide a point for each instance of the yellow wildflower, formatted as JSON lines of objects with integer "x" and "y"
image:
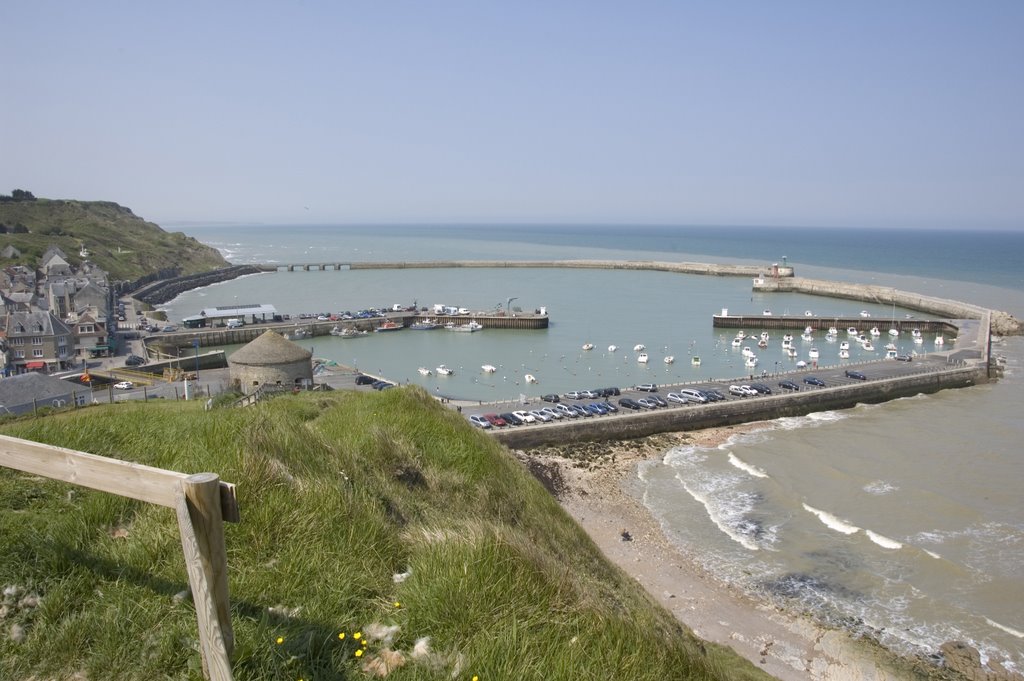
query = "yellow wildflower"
{"x": 358, "y": 635}
{"x": 397, "y": 604}
{"x": 341, "y": 635}
{"x": 359, "y": 653}
{"x": 280, "y": 640}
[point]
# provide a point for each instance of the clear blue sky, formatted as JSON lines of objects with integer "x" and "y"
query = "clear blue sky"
{"x": 905, "y": 113}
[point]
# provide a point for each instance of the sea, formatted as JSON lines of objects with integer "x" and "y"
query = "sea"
{"x": 902, "y": 521}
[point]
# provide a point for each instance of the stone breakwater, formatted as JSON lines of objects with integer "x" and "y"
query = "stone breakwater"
{"x": 164, "y": 290}
{"x": 1001, "y": 323}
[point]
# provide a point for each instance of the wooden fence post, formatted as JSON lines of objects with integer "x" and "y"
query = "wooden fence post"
{"x": 202, "y": 539}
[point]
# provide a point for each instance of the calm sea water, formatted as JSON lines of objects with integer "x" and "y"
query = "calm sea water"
{"x": 904, "y": 519}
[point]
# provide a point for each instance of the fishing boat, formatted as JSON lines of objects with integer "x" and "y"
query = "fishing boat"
{"x": 588, "y": 346}
{"x": 442, "y": 370}
{"x": 669, "y": 359}
{"x": 348, "y": 332}
{"x": 695, "y": 361}
{"x": 388, "y": 326}
{"x": 425, "y": 371}
{"x": 296, "y": 334}
{"x": 424, "y": 325}
{"x": 530, "y": 378}
{"x": 642, "y": 358}
{"x": 471, "y": 327}
{"x": 489, "y": 368}
{"x": 787, "y": 338}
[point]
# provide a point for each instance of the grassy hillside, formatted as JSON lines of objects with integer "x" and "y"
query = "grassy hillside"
{"x": 119, "y": 241}
{"x": 338, "y": 494}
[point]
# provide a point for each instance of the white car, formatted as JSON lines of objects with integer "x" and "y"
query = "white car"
{"x": 541, "y": 416}
{"x": 479, "y": 421}
{"x": 525, "y": 416}
{"x": 675, "y": 397}
{"x": 124, "y": 385}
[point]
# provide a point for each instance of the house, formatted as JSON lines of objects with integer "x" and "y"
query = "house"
{"x": 90, "y": 338}
{"x": 28, "y": 392}
{"x": 37, "y": 341}
{"x": 10, "y": 252}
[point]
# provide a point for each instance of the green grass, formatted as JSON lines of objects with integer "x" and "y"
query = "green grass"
{"x": 123, "y": 244}
{"x": 337, "y": 493}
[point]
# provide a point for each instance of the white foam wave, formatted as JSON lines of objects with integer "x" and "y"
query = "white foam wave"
{"x": 684, "y": 455}
{"x": 884, "y": 542}
{"x": 831, "y": 521}
{"x": 880, "y": 487}
{"x": 719, "y": 519}
{"x": 932, "y": 554}
{"x": 746, "y": 467}
{"x": 818, "y": 418}
{"x": 1008, "y": 630}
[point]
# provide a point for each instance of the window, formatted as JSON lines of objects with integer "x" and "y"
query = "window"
{"x": 37, "y": 340}
{"x": 87, "y": 328}
{"x": 37, "y": 353}
{"x": 19, "y": 354}
{"x": 17, "y": 341}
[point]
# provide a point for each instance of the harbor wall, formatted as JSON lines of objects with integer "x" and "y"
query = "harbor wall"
{"x": 733, "y": 412}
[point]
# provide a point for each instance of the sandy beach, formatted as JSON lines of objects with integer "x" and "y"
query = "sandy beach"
{"x": 596, "y": 484}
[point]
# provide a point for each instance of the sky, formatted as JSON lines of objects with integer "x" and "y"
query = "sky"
{"x": 901, "y": 114}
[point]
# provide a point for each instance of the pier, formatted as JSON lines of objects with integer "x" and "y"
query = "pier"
{"x": 862, "y": 324}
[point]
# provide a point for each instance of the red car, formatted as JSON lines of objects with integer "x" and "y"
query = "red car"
{"x": 495, "y": 420}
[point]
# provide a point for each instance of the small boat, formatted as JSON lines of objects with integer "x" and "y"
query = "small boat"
{"x": 588, "y": 346}
{"x": 736, "y": 342}
{"x": 852, "y": 331}
{"x": 868, "y": 346}
{"x": 762, "y": 343}
{"x": 894, "y": 332}
{"x": 791, "y": 352}
{"x": 642, "y": 358}
{"x": 890, "y": 346}
{"x": 865, "y": 314}
{"x": 349, "y": 332}
{"x": 530, "y": 378}
{"x": 669, "y": 359}
{"x": 424, "y": 325}
{"x": 695, "y": 361}
{"x": 808, "y": 313}
{"x": 471, "y": 327}
{"x": 750, "y": 361}
{"x": 833, "y": 331}
{"x": 787, "y": 344}
{"x": 764, "y": 335}
{"x": 875, "y": 332}
{"x": 813, "y": 353}
{"x": 915, "y": 333}
{"x": 844, "y": 354}
{"x": 939, "y": 340}
{"x": 639, "y": 347}
{"x": 767, "y": 313}
{"x": 845, "y": 345}
{"x": 747, "y": 352}
{"x": 809, "y": 329}
{"x": 741, "y": 335}
{"x": 296, "y": 334}
{"x": 787, "y": 338}
{"x": 806, "y": 337}
{"x": 801, "y": 364}
{"x": 442, "y": 370}
{"x": 388, "y": 326}
{"x": 425, "y": 371}
{"x": 890, "y": 354}
{"x": 613, "y": 348}
{"x": 489, "y": 368}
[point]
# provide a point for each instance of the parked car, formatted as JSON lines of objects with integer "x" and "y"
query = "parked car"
{"x": 712, "y": 395}
{"x": 675, "y": 397}
{"x": 647, "y": 404}
{"x": 596, "y": 409}
{"x": 566, "y": 410}
{"x": 761, "y": 388}
{"x": 479, "y": 421}
{"x": 610, "y": 407}
{"x": 540, "y": 416}
{"x": 551, "y": 412}
{"x": 572, "y": 395}
{"x": 904, "y": 358}
{"x": 581, "y": 410}
{"x": 850, "y": 373}
{"x": 648, "y": 387}
{"x": 657, "y": 399}
{"x": 629, "y": 403}
{"x": 124, "y": 385}
{"x": 168, "y": 328}
{"x": 814, "y": 380}
{"x": 692, "y": 395}
{"x": 551, "y": 398}
{"x": 588, "y": 394}
{"x": 511, "y": 419}
{"x": 788, "y": 385}
{"x": 134, "y": 360}
{"x": 363, "y": 379}
{"x": 382, "y": 385}
{"x": 495, "y": 420}
{"x": 742, "y": 391}
{"x": 525, "y": 416}
{"x": 612, "y": 391}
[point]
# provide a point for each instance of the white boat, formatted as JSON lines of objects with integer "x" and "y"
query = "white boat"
{"x": 808, "y": 313}
{"x": 852, "y": 331}
{"x": 736, "y": 342}
{"x": 762, "y": 343}
{"x": 813, "y": 353}
{"x": 915, "y": 333}
{"x": 642, "y": 358}
{"x": 489, "y": 368}
{"x": 806, "y": 337}
{"x": 833, "y": 331}
{"x": 845, "y": 345}
{"x": 747, "y": 352}
{"x": 740, "y": 334}
{"x": 750, "y": 361}
{"x": 809, "y": 329}
{"x": 801, "y": 364}
{"x": 868, "y": 346}
{"x": 764, "y": 335}
{"x": 894, "y": 332}
{"x": 296, "y": 334}
{"x": 939, "y": 340}
{"x": 890, "y": 346}
{"x": 639, "y": 347}
{"x": 791, "y": 352}
{"x": 588, "y": 346}
{"x": 787, "y": 344}
{"x": 613, "y": 348}
{"x": 844, "y": 354}
{"x": 425, "y": 371}
{"x": 767, "y": 313}
{"x": 472, "y": 326}
{"x": 695, "y": 361}
{"x": 890, "y": 354}
{"x": 669, "y": 359}
{"x": 424, "y": 325}
{"x": 530, "y": 378}
{"x": 442, "y": 370}
{"x": 787, "y": 338}
{"x": 875, "y": 332}
{"x": 865, "y": 313}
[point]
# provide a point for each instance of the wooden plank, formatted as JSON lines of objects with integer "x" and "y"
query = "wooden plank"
{"x": 202, "y": 541}
{"x": 127, "y": 479}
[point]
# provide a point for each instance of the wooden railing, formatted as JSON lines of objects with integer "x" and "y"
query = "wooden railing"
{"x": 202, "y": 502}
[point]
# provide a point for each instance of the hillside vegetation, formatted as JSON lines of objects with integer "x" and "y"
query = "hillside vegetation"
{"x": 383, "y": 514}
{"x": 120, "y": 242}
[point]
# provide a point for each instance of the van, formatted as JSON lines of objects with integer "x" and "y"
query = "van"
{"x": 235, "y": 323}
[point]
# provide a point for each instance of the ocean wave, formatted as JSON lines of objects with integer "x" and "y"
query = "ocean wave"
{"x": 831, "y": 521}
{"x": 880, "y": 487}
{"x": 1008, "y": 630}
{"x": 685, "y": 454}
{"x": 746, "y": 467}
{"x": 724, "y": 519}
{"x": 884, "y": 542}
{"x": 814, "y": 419}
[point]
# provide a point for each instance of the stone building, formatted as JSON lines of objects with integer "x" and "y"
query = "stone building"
{"x": 270, "y": 360}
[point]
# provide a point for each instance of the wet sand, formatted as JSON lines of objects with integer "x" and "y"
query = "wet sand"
{"x": 596, "y": 483}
